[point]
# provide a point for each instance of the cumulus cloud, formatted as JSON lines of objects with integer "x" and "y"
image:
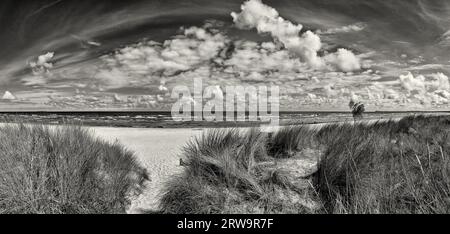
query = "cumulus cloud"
{"x": 442, "y": 93}
{"x": 148, "y": 61}
{"x": 411, "y": 83}
{"x": 438, "y": 81}
{"x": 8, "y": 96}
{"x": 391, "y": 94}
{"x": 184, "y": 52}
{"x": 255, "y": 14}
{"x": 40, "y": 68}
{"x": 163, "y": 88}
{"x": 422, "y": 84}
{"x": 195, "y": 47}
{"x": 343, "y": 60}
{"x": 42, "y": 63}
{"x": 429, "y": 89}
{"x": 330, "y": 91}
{"x": 200, "y": 48}
{"x": 253, "y": 57}
{"x": 291, "y": 60}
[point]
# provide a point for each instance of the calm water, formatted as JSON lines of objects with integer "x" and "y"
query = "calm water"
{"x": 164, "y": 119}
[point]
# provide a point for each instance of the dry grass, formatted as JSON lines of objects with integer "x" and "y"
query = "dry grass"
{"x": 64, "y": 170}
{"x": 225, "y": 174}
{"x": 382, "y": 167}
{"x": 388, "y": 167}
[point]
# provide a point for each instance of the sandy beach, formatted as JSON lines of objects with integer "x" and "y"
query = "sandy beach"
{"x": 157, "y": 149}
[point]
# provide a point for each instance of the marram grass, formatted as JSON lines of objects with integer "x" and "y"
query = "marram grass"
{"x": 391, "y": 166}
{"x": 63, "y": 169}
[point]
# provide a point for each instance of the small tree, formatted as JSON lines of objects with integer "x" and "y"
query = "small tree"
{"x": 357, "y": 109}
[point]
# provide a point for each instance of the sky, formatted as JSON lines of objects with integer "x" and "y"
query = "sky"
{"x": 117, "y": 55}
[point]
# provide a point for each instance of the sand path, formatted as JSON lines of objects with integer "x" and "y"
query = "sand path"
{"x": 158, "y": 151}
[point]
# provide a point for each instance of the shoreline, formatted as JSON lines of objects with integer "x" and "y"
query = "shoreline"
{"x": 151, "y": 121}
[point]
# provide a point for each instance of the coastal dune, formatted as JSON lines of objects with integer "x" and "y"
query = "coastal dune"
{"x": 159, "y": 150}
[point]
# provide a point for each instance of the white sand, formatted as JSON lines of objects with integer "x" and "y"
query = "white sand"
{"x": 157, "y": 149}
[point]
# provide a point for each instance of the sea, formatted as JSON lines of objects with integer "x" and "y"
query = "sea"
{"x": 163, "y": 119}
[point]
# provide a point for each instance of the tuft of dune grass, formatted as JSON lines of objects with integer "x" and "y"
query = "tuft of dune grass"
{"x": 393, "y": 166}
{"x": 225, "y": 173}
{"x": 386, "y": 167}
{"x": 64, "y": 169}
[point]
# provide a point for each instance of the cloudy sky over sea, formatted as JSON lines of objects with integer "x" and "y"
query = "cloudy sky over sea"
{"x": 104, "y": 54}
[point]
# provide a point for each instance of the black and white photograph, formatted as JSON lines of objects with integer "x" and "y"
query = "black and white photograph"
{"x": 214, "y": 107}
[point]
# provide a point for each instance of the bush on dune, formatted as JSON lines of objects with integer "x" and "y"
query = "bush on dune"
{"x": 64, "y": 170}
{"x": 382, "y": 167}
